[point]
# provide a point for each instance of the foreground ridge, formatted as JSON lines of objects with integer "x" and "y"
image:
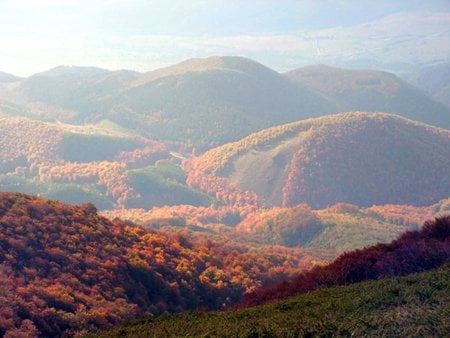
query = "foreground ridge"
{"x": 412, "y": 306}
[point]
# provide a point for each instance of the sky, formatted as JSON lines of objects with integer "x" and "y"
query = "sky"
{"x": 36, "y": 35}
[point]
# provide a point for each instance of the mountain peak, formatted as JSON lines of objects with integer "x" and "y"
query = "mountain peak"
{"x": 72, "y": 71}
{"x": 6, "y": 77}
{"x": 198, "y": 65}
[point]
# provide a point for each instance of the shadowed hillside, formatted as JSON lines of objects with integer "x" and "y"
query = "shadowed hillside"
{"x": 375, "y": 91}
{"x": 78, "y": 89}
{"x": 208, "y": 102}
{"x": 435, "y": 80}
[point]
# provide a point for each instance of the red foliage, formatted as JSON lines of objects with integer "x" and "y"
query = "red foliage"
{"x": 65, "y": 269}
{"x": 201, "y": 176}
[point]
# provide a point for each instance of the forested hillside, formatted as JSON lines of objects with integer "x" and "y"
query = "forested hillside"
{"x": 406, "y": 306}
{"x": 357, "y": 158}
{"x": 416, "y": 305}
{"x": 65, "y": 269}
{"x": 199, "y": 104}
{"x": 97, "y": 163}
{"x": 414, "y": 251}
{"x": 373, "y": 91}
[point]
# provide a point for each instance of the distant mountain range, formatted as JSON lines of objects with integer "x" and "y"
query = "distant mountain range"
{"x": 5, "y": 77}
{"x": 433, "y": 79}
{"x": 358, "y": 158}
{"x": 203, "y": 103}
{"x": 372, "y": 91}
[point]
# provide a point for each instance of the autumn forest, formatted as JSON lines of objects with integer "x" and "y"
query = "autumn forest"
{"x": 220, "y": 196}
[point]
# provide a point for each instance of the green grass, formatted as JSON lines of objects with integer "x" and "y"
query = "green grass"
{"x": 413, "y": 306}
{"x": 164, "y": 185}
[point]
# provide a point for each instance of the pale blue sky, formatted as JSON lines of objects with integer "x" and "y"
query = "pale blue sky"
{"x": 39, "y": 34}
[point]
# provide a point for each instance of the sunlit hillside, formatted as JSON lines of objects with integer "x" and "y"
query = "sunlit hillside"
{"x": 358, "y": 158}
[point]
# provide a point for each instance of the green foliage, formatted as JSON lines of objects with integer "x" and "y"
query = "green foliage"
{"x": 163, "y": 185}
{"x": 88, "y": 148}
{"x": 375, "y": 91}
{"x": 412, "y": 306}
{"x": 64, "y": 192}
{"x": 77, "y": 194}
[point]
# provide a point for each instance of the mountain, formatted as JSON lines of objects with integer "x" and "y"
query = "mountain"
{"x": 199, "y": 103}
{"x": 358, "y": 158}
{"x": 98, "y": 163}
{"x": 397, "y": 42}
{"x": 402, "y": 306}
{"x": 434, "y": 79}
{"x": 202, "y": 103}
{"x": 65, "y": 270}
{"x": 75, "y": 88}
{"x": 5, "y": 78}
{"x": 207, "y": 102}
{"x": 370, "y": 90}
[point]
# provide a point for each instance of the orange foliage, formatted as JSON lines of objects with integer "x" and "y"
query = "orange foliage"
{"x": 66, "y": 269}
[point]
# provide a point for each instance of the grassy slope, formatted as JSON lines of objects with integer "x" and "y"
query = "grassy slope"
{"x": 412, "y": 306}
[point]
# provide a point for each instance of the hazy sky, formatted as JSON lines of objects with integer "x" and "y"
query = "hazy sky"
{"x": 135, "y": 34}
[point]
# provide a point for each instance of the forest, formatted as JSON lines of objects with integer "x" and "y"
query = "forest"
{"x": 154, "y": 193}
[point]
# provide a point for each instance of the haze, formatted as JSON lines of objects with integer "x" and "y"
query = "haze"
{"x": 144, "y": 35}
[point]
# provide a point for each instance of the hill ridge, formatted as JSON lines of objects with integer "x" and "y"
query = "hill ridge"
{"x": 307, "y": 150}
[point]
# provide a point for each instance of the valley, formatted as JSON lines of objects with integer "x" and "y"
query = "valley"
{"x": 221, "y": 184}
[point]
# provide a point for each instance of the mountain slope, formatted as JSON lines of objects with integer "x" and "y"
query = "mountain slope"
{"x": 390, "y": 306}
{"x": 435, "y": 80}
{"x": 78, "y": 89}
{"x": 416, "y": 305}
{"x": 65, "y": 269}
{"x": 414, "y": 251}
{"x": 5, "y": 78}
{"x": 211, "y": 101}
{"x": 72, "y": 163}
{"x": 203, "y": 103}
{"x": 369, "y": 90}
{"x": 358, "y": 158}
